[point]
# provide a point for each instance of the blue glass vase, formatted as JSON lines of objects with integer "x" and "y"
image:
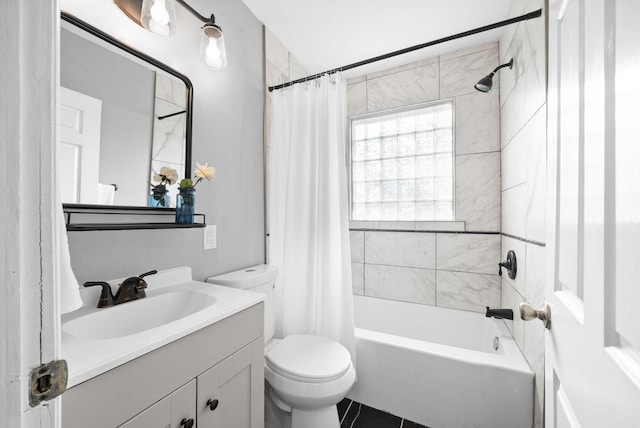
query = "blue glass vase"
{"x": 159, "y": 198}
{"x": 185, "y": 202}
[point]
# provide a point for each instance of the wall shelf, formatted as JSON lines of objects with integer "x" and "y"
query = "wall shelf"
{"x": 83, "y": 218}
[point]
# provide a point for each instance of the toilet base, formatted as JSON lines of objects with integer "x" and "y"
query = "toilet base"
{"x": 326, "y": 417}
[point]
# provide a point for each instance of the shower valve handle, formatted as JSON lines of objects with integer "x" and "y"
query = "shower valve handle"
{"x": 510, "y": 264}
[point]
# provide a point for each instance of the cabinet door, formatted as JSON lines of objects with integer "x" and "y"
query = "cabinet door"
{"x": 237, "y": 383}
{"x": 156, "y": 416}
{"x": 169, "y": 412}
{"x": 183, "y": 406}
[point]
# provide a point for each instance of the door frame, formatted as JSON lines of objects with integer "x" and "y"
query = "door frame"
{"x": 29, "y": 324}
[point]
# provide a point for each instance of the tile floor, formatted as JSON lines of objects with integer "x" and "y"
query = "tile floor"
{"x": 355, "y": 415}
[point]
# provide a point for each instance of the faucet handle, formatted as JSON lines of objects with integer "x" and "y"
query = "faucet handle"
{"x": 151, "y": 272}
{"x": 510, "y": 264}
{"x": 106, "y": 296}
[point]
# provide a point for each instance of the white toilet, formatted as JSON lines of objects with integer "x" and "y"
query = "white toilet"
{"x": 306, "y": 375}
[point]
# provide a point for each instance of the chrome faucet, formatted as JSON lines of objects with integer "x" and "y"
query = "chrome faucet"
{"x": 131, "y": 289}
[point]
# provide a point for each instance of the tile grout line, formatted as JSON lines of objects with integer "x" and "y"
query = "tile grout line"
{"x": 454, "y": 232}
{"x": 357, "y": 415}
{"x": 364, "y": 263}
{"x": 366, "y": 94}
{"x": 346, "y": 412}
{"x": 525, "y": 240}
{"x": 435, "y": 279}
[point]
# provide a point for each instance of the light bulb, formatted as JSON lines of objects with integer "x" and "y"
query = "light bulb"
{"x": 159, "y": 29}
{"x": 159, "y": 13}
{"x": 212, "y": 53}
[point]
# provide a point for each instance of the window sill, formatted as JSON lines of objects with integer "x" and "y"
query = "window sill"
{"x": 410, "y": 226}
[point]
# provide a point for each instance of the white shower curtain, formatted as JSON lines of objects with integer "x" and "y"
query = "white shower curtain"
{"x": 308, "y": 213}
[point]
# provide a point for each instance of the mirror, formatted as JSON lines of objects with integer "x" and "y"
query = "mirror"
{"x": 123, "y": 115}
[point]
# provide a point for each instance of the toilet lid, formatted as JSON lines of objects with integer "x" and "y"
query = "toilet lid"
{"x": 309, "y": 358}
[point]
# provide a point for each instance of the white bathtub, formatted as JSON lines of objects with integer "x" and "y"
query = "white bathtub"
{"x": 437, "y": 366}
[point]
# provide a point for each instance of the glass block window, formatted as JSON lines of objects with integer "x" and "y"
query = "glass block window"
{"x": 402, "y": 165}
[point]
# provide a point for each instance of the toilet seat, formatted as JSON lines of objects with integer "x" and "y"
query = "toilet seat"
{"x": 311, "y": 359}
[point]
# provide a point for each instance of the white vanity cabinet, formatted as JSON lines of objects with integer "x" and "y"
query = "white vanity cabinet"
{"x": 227, "y": 396}
{"x": 175, "y": 382}
{"x": 171, "y": 411}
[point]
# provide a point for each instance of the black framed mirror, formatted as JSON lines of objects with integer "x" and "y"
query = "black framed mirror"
{"x": 144, "y": 121}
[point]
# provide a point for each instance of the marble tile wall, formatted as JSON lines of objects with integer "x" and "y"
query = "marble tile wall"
{"x": 281, "y": 65}
{"x": 477, "y": 121}
{"x": 170, "y": 89}
{"x": 523, "y": 184}
{"x": 455, "y": 270}
{"x": 403, "y": 88}
{"x": 478, "y": 191}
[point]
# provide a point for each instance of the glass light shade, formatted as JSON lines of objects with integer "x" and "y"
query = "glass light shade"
{"x": 159, "y": 16}
{"x": 212, "y": 49}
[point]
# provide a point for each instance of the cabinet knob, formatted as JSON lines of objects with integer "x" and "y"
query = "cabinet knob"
{"x": 187, "y": 423}
{"x": 213, "y": 404}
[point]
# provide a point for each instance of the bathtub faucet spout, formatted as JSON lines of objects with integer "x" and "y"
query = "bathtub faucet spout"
{"x": 499, "y": 313}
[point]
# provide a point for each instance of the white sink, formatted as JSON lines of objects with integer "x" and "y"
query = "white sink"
{"x": 97, "y": 340}
{"x": 137, "y": 316}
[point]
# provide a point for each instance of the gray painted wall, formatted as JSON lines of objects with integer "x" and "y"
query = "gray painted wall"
{"x": 127, "y": 91}
{"x": 227, "y": 133}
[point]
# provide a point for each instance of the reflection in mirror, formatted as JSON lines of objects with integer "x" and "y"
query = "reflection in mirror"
{"x": 123, "y": 116}
{"x": 168, "y": 148}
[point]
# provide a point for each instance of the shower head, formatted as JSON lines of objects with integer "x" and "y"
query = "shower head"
{"x": 485, "y": 84}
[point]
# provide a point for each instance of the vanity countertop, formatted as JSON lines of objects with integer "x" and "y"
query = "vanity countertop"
{"x": 98, "y": 348}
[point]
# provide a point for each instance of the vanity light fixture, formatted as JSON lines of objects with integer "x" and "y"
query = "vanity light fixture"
{"x": 212, "y": 49}
{"x": 485, "y": 84}
{"x": 159, "y": 17}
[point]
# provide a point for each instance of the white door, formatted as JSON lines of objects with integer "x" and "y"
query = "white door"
{"x": 592, "y": 370}
{"x": 79, "y": 118}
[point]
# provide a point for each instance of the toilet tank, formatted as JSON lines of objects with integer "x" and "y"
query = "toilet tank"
{"x": 261, "y": 279}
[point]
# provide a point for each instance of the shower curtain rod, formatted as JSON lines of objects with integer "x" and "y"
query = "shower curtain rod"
{"x": 531, "y": 15}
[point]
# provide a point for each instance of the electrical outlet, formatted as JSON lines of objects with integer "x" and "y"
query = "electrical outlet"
{"x": 210, "y": 237}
